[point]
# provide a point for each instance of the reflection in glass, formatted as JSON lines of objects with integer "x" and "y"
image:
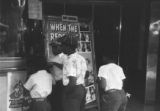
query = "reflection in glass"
{"x": 155, "y": 27}
{"x": 11, "y": 42}
{"x": 11, "y": 29}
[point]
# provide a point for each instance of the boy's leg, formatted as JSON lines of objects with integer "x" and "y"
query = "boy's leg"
{"x": 124, "y": 101}
{"x": 40, "y": 106}
{"x": 110, "y": 101}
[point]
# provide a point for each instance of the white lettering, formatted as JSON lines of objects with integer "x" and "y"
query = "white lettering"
{"x": 52, "y": 26}
{"x": 58, "y": 27}
{"x": 54, "y": 36}
{"x": 72, "y": 28}
{"x": 76, "y": 28}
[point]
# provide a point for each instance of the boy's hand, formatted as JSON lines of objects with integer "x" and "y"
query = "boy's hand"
{"x": 128, "y": 95}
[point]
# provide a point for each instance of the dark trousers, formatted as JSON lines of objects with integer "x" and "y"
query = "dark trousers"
{"x": 40, "y": 106}
{"x": 114, "y": 100}
{"x": 74, "y": 98}
{"x": 56, "y": 96}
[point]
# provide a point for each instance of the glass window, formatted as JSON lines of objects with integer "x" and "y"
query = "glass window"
{"x": 11, "y": 30}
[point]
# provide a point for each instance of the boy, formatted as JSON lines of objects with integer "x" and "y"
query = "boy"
{"x": 74, "y": 70}
{"x": 113, "y": 97}
{"x": 39, "y": 84}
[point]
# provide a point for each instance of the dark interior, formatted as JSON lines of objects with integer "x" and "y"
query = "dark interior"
{"x": 106, "y": 26}
{"x": 124, "y": 44}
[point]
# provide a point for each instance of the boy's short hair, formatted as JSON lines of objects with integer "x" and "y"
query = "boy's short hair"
{"x": 37, "y": 63}
{"x": 69, "y": 40}
{"x": 108, "y": 59}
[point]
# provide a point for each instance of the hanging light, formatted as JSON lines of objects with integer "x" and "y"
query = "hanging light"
{"x": 155, "y": 27}
{"x": 21, "y": 3}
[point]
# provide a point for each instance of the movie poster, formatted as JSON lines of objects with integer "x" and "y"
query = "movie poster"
{"x": 15, "y": 99}
{"x": 55, "y": 28}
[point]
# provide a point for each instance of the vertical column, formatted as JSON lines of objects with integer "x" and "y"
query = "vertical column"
{"x": 0, "y": 10}
{"x": 152, "y": 58}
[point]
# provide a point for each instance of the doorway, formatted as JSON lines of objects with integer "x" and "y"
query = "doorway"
{"x": 106, "y": 26}
{"x": 126, "y": 45}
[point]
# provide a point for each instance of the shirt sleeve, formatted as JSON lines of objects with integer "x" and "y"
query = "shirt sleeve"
{"x": 122, "y": 75}
{"x": 100, "y": 72}
{"x": 29, "y": 83}
{"x": 84, "y": 67}
{"x": 81, "y": 67}
{"x": 72, "y": 67}
{"x": 103, "y": 71}
{"x": 62, "y": 57}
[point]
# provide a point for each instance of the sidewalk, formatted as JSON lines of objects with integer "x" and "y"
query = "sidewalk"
{"x": 136, "y": 105}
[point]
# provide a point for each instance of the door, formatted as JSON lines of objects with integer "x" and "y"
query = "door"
{"x": 106, "y": 26}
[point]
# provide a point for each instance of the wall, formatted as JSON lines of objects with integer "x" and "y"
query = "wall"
{"x": 153, "y": 71}
{"x": 3, "y": 91}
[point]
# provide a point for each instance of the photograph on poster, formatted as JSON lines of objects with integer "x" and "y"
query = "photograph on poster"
{"x": 91, "y": 94}
{"x": 84, "y": 27}
{"x": 84, "y": 46}
{"x": 88, "y": 46}
{"x": 84, "y": 42}
{"x": 84, "y": 36}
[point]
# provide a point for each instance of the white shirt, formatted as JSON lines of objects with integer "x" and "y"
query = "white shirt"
{"x": 113, "y": 75}
{"x": 75, "y": 65}
{"x": 40, "y": 84}
{"x": 58, "y": 73}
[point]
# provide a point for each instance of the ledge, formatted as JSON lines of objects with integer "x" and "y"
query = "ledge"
{"x": 11, "y": 63}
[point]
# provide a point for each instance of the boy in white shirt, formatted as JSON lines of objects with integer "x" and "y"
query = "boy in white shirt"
{"x": 113, "y": 97}
{"x": 74, "y": 70}
{"x": 39, "y": 84}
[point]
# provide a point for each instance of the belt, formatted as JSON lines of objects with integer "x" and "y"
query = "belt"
{"x": 74, "y": 85}
{"x": 112, "y": 90}
{"x": 39, "y": 99}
